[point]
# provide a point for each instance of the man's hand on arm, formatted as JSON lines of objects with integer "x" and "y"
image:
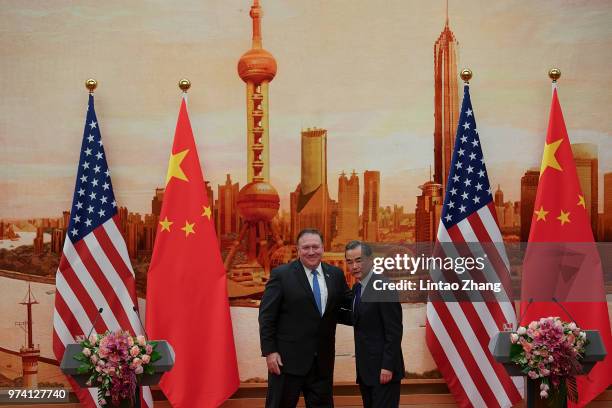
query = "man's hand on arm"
{"x": 385, "y": 376}
{"x": 274, "y": 362}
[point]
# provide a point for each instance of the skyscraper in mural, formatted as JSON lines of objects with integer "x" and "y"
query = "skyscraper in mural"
{"x": 529, "y": 189}
{"x": 257, "y": 68}
{"x": 258, "y": 200}
{"x": 428, "y": 212}
{"x": 348, "y": 208}
{"x": 585, "y": 156}
{"x": 446, "y": 101}
{"x": 607, "y": 211}
{"x": 228, "y": 221}
{"x": 371, "y": 202}
{"x": 310, "y": 202}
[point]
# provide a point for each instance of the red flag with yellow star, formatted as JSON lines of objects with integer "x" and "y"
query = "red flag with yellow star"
{"x": 562, "y": 272}
{"x": 187, "y": 302}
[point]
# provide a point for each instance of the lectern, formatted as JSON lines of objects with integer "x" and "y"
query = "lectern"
{"x": 500, "y": 345}
{"x": 69, "y": 366}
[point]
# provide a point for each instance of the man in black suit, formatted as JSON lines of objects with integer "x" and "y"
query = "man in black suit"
{"x": 297, "y": 326}
{"x": 377, "y": 328}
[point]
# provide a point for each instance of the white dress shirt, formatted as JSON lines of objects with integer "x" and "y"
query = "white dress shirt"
{"x": 322, "y": 284}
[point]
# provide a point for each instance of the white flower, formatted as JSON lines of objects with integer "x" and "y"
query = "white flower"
{"x": 521, "y": 330}
{"x": 572, "y": 326}
{"x": 514, "y": 337}
{"x": 583, "y": 335}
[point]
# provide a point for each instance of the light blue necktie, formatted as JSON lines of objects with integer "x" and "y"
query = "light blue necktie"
{"x": 316, "y": 290}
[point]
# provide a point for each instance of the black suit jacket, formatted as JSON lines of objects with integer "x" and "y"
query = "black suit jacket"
{"x": 290, "y": 323}
{"x": 378, "y": 336}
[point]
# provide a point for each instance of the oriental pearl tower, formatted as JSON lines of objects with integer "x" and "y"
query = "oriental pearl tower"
{"x": 258, "y": 201}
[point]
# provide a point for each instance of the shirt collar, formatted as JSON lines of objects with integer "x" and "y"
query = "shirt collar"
{"x": 309, "y": 271}
{"x": 364, "y": 281}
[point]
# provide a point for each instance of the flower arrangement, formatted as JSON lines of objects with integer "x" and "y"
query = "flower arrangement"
{"x": 550, "y": 350}
{"x": 115, "y": 362}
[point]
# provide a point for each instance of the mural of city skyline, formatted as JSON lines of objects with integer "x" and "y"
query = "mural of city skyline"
{"x": 356, "y": 211}
{"x": 334, "y": 115}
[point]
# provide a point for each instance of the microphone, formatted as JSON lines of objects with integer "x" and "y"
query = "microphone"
{"x": 135, "y": 309}
{"x": 524, "y": 312}
{"x": 100, "y": 310}
{"x": 554, "y": 299}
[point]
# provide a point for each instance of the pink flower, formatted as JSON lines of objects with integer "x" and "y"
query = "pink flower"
{"x": 102, "y": 402}
{"x": 533, "y": 325}
{"x": 532, "y": 374}
{"x": 134, "y": 351}
{"x": 86, "y": 352}
{"x": 93, "y": 339}
{"x": 136, "y": 362}
{"x": 514, "y": 337}
{"x": 543, "y": 394}
{"x": 146, "y": 358}
{"x": 130, "y": 341}
{"x": 149, "y": 348}
{"x": 139, "y": 370}
{"x": 545, "y": 372}
{"x": 94, "y": 359}
{"x": 141, "y": 340}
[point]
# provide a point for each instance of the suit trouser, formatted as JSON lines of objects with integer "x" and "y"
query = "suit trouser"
{"x": 380, "y": 395}
{"x": 284, "y": 389}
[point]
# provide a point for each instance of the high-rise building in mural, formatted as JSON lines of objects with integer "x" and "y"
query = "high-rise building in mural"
{"x": 157, "y": 200}
{"x": 228, "y": 220}
{"x": 371, "y": 202}
{"x": 258, "y": 201}
{"x": 585, "y": 156}
{"x": 257, "y": 68}
{"x": 607, "y": 211}
{"x": 428, "y": 212}
{"x": 348, "y": 208}
{"x": 529, "y": 189}
{"x": 311, "y": 205}
{"x": 446, "y": 102}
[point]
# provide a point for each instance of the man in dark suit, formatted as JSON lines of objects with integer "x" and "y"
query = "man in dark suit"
{"x": 377, "y": 324}
{"x": 297, "y": 326}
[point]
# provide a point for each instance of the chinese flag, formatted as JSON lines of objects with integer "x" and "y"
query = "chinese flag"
{"x": 562, "y": 272}
{"x": 187, "y": 302}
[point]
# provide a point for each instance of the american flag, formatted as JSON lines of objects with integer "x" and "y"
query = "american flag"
{"x": 95, "y": 270}
{"x": 458, "y": 330}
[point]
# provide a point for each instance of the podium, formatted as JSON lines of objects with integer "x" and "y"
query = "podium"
{"x": 69, "y": 366}
{"x": 500, "y": 344}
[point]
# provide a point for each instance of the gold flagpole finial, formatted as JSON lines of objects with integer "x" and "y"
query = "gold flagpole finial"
{"x": 184, "y": 84}
{"x": 91, "y": 84}
{"x": 554, "y": 74}
{"x": 466, "y": 75}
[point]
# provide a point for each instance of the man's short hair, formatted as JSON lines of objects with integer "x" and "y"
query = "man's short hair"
{"x": 366, "y": 250}
{"x": 305, "y": 231}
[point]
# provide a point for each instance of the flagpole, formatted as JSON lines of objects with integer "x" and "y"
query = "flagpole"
{"x": 91, "y": 84}
{"x": 554, "y": 74}
{"x": 184, "y": 84}
{"x": 466, "y": 75}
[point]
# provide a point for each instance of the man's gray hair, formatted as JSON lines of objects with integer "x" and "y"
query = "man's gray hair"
{"x": 366, "y": 250}
{"x": 311, "y": 231}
